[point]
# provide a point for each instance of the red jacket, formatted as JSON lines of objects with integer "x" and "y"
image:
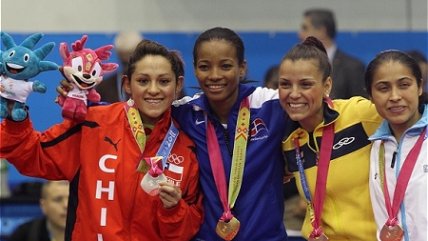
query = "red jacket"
{"x": 100, "y": 157}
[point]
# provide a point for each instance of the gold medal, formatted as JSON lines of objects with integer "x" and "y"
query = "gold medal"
{"x": 317, "y": 235}
{"x": 322, "y": 237}
{"x": 391, "y": 233}
{"x": 228, "y": 230}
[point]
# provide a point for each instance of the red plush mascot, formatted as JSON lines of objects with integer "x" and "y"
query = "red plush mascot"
{"x": 84, "y": 70}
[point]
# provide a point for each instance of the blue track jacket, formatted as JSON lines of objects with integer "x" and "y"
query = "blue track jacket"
{"x": 260, "y": 204}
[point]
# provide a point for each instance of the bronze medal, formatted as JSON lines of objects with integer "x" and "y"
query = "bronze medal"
{"x": 391, "y": 233}
{"x": 228, "y": 230}
{"x": 322, "y": 237}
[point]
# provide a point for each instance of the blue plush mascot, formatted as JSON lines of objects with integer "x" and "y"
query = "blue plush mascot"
{"x": 19, "y": 63}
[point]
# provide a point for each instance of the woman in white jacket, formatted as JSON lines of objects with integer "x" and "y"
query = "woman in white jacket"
{"x": 399, "y": 162}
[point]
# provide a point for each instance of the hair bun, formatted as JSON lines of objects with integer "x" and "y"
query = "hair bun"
{"x": 312, "y": 41}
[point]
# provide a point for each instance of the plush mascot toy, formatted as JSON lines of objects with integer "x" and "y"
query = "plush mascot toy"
{"x": 84, "y": 70}
{"x": 19, "y": 63}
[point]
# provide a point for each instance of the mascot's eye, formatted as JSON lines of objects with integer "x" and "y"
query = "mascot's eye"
{"x": 26, "y": 57}
{"x": 12, "y": 53}
{"x": 96, "y": 70}
{"x": 77, "y": 64}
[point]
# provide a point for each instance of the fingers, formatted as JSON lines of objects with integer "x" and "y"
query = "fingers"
{"x": 66, "y": 84}
{"x": 287, "y": 177}
{"x": 61, "y": 91}
{"x": 64, "y": 87}
{"x": 169, "y": 194}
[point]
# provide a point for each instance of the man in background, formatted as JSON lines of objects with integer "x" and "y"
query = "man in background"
{"x": 110, "y": 88}
{"x": 51, "y": 227}
{"x": 271, "y": 78}
{"x": 348, "y": 72}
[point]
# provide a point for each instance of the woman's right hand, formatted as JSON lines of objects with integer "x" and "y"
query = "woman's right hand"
{"x": 64, "y": 88}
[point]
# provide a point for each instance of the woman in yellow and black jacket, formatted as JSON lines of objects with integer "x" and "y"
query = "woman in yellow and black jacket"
{"x": 339, "y": 206}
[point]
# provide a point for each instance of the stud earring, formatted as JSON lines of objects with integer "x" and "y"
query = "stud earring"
{"x": 130, "y": 102}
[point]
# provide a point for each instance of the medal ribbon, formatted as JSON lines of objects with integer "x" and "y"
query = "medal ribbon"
{"x": 303, "y": 179}
{"x": 167, "y": 144}
{"x": 322, "y": 173}
{"x": 153, "y": 165}
{"x": 238, "y": 160}
{"x": 402, "y": 180}
{"x": 136, "y": 124}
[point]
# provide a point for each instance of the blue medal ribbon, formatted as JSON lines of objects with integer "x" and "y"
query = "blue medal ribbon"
{"x": 167, "y": 144}
{"x": 302, "y": 175}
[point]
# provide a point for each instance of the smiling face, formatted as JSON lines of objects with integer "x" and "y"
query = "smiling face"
{"x": 301, "y": 91}
{"x": 395, "y": 92}
{"x": 20, "y": 63}
{"x": 218, "y": 71}
{"x": 84, "y": 70}
{"x": 153, "y": 87}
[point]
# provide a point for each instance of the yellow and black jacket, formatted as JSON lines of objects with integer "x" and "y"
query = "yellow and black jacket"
{"x": 347, "y": 212}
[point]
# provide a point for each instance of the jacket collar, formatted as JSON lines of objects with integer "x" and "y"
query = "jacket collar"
{"x": 202, "y": 103}
{"x": 330, "y": 114}
{"x": 383, "y": 132}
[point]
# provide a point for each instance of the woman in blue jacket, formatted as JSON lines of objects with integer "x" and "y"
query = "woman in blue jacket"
{"x": 237, "y": 130}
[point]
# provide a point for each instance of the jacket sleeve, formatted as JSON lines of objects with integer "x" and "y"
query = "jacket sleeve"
{"x": 53, "y": 154}
{"x": 367, "y": 113}
{"x": 183, "y": 221}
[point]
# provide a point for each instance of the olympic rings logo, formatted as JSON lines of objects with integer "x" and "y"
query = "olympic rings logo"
{"x": 174, "y": 159}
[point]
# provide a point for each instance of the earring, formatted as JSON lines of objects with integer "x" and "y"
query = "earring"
{"x": 130, "y": 102}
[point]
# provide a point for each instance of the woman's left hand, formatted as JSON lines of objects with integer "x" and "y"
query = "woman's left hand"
{"x": 169, "y": 194}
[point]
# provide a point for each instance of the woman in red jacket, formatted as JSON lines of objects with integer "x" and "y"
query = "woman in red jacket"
{"x": 134, "y": 174}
